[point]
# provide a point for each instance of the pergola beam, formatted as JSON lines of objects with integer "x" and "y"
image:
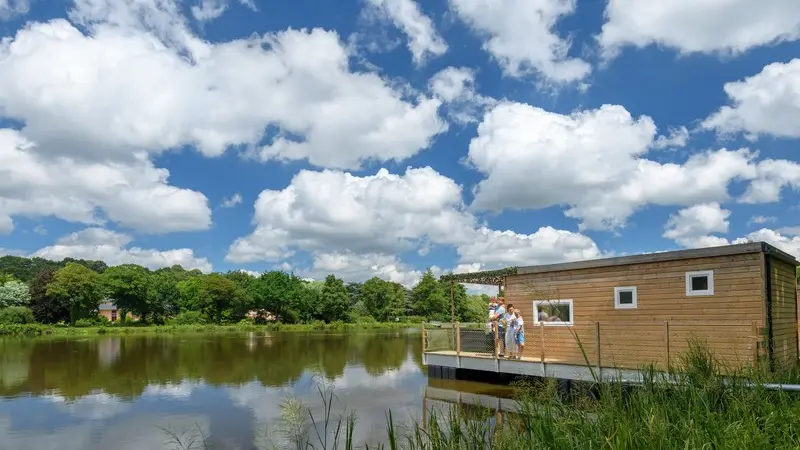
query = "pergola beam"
{"x": 489, "y": 277}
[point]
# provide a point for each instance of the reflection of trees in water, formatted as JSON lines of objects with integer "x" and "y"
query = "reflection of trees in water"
{"x": 76, "y": 367}
{"x": 14, "y": 361}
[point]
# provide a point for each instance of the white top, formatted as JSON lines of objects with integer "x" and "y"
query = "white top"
{"x": 520, "y": 322}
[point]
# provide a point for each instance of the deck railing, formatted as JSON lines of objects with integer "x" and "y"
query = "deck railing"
{"x": 606, "y": 344}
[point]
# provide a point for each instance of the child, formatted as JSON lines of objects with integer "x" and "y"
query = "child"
{"x": 519, "y": 337}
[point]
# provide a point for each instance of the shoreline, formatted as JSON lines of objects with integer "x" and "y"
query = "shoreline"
{"x": 36, "y": 330}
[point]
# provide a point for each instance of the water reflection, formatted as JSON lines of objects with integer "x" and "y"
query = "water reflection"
{"x": 132, "y": 392}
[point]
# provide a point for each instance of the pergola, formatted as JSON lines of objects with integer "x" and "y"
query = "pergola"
{"x": 487, "y": 277}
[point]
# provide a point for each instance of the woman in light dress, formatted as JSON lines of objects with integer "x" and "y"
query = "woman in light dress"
{"x": 511, "y": 327}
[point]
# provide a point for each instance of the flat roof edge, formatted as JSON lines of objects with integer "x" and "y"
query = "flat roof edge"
{"x": 674, "y": 255}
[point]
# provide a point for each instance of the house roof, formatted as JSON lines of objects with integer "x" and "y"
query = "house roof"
{"x": 107, "y": 306}
{"x": 495, "y": 277}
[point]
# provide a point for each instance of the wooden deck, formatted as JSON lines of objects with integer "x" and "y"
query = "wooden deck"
{"x": 587, "y": 351}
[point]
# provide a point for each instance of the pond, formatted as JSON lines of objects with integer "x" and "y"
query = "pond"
{"x": 221, "y": 391}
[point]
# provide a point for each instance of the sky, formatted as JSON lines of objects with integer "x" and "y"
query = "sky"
{"x": 384, "y": 137}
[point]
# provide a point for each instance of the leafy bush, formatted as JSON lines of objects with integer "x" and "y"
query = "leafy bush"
{"x": 16, "y": 315}
{"x": 93, "y": 321}
{"x": 188, "y": 318}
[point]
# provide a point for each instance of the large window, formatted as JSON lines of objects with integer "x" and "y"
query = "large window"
{"x": 553, "y": 312}
{"x": 626, "y": 297}
{"x": 700, "y": 282}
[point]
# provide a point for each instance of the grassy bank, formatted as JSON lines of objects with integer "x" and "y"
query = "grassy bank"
{"x": 33, "y": 330}
{"x": 700, "y": 411}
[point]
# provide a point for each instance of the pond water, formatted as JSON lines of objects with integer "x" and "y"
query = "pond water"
{"x": 222, "y": 391}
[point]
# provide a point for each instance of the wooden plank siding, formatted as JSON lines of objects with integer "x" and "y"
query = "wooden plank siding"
{"x": 784, "y": 314}
{"x": 728, "y": 321}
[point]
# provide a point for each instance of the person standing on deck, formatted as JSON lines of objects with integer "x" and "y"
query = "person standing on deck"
{"x": 519, "y": 338}
{"x": 499, "y": 314}
{"x": 511, "y": 324}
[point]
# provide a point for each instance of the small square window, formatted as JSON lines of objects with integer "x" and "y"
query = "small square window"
{"x": 625, "y": 297}
{"x": 700, "y": 282}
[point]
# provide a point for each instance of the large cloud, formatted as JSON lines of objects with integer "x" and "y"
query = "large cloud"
{"x": 423, "y": 40}
{"x": 139, "y": 80}
{"x": 134, "y": 193}
{"x": 700, "y": 225}
{"x": 112, "y": 248}
{"x": 699, "y": 26}
{"x": 355, "y": 226}
{"x": 594, "y": 163}
{"x": 521, "y": 36}
{"x": 767, "y": 103}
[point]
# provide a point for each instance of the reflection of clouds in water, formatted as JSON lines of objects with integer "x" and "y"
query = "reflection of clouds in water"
{"x": 357, "y": 376}
{"x": 181, "y": 391}
{"x": 369, "y": 397}
{"x": 94, "y": 406}
{"x": 139, "y": 433}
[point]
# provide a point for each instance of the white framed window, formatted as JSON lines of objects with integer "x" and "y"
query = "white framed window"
{"x": 700, "y": 282}
{"x": 626, "y": 297}
{"x": 553, "y": 312}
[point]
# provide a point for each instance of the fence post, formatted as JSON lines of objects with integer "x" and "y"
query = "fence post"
{"x": 597, "y": 339}
{"x": 458, "y": 338}
{"x": 541, "y": 336}
{"x": 666, "y": 338}
{"x": 494, "y": 339}
{"x": 423, "y": 337}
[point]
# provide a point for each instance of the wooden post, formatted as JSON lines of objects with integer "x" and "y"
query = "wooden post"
{"x": 597, "y": 339}
{"x": 452, "y": 303}
{"x": 458, "y": 338}
{"x": 495, "y": 336}
{"x": 666, "y": 338}
{"x": 423, "y": 337}
{"x": 541, "y": 335}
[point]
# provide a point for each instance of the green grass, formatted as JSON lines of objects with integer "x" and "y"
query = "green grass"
{"x": 33, "y": 330}
{"x": 699, "y": 410}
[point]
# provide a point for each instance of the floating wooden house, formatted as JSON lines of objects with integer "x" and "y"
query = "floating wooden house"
{"x": 615, "y": 316}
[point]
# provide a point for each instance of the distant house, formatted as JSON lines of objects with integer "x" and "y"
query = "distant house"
{"x": 261, "y": 314}
{"x": 109, "y": 310}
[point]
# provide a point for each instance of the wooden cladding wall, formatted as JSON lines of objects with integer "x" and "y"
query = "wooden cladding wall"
{"x": 784, "y": 314}
{"x": 659, "y": 329}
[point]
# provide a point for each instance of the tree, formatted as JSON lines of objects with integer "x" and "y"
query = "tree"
{"x": 221, "y": 293}
{"x": 80, "y": 287}
{"x": 283, "y": 295}
{"x": 129, "y": 286}
{"x": 428, "y": 298}
{"x": 164, "y": 293}
{"x": 335, "y": 301}
{"x": 14, "y": 293}
{"x": 383, "y": 299}
{"x": 47, "y": 308}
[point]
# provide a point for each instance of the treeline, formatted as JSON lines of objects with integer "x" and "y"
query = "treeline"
{"x": 70, "y": 291}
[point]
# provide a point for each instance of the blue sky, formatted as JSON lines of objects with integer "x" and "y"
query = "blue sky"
{"x": 381, "y": 137}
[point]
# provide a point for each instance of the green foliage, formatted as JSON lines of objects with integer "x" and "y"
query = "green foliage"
{"x": 25, "y": 269}
{"x": 335, "y": 301}
{"x": 188, "y": 318}
{"x": 80, "y": 287}
{"x": 428, "y": 298}
{"x": 70, "y": 290}
{"x": 383, "y": 299}
{"x": 16, "y": 315}
{"x": 47, "y": 308}
{"x": 14, "y": 293}
{"x": 93, "y": 321}
{"x": 129, "y": 286}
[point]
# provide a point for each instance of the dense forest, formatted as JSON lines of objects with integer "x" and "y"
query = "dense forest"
{"x": 70, "y": 291}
